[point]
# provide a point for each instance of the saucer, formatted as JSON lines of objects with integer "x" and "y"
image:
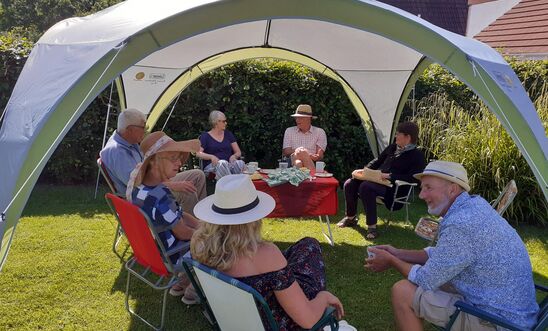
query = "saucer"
{"x": 267, "y": 171}
{"x": 323, "y": 174}
{"x": 250, "y": 173}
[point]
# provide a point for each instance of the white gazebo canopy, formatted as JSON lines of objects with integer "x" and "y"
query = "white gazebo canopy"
{"x": 155, "y": 49}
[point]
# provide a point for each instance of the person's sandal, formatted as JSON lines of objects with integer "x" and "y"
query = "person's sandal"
{"x": 372, "y": 233}
{"x": 190, "y": 297}
{"x": 177, "y": 290}
{"x": 347, "y": 221}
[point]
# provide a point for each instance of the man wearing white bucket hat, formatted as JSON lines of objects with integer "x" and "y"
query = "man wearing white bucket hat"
{"x": 479, "y": 258}
{"x": 292, "y": 282}
{"x": 304, "y": 143}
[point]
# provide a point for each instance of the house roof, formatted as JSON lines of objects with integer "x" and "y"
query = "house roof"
{"x": 448, "y": 14}
{"x": 523, "y": 30}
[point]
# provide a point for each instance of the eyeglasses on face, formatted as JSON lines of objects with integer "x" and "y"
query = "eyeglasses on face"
{"x": 172, "y": 159}
{"x": 222, "y": 121}
{"x": 138, "y": 126}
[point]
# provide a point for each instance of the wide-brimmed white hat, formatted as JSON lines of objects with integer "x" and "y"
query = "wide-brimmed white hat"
{"x": 451, "y": 171}
{"x": 304, "y": 111}
{"x": 236, "y": 201}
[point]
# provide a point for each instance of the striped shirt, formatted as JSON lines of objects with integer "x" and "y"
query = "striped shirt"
{"x": 162, "y": 209}
{"x": 311, "y": 140}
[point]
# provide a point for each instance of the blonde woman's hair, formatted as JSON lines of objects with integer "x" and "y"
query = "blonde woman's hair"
{"x": 219, "y": 246}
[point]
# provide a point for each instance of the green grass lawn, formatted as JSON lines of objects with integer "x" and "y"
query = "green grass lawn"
{"x": 62, "y": 274}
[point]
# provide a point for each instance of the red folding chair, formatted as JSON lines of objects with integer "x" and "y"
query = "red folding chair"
{"x": 119, "y": 232}
{"x": 150, "y": 262}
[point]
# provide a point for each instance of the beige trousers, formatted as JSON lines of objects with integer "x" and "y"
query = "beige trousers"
{"x": 437, "y": 307}
{"x": 189, "y": 200}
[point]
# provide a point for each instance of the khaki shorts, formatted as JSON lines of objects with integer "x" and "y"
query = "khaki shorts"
{"x": 437, "y": 307}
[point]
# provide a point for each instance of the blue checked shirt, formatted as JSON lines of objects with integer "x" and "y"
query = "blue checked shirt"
{"x": 120, "y": 158}
{"x": 484, "y": 259}
{"x": 162, "y": 209}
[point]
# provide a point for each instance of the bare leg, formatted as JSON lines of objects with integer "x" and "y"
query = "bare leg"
{"x": 402, "y": 305}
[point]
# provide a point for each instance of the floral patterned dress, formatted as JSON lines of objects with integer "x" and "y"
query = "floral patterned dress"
{"x": 304, "y": 265}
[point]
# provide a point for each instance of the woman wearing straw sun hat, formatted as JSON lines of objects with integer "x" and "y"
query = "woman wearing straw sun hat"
{"x": 162, "y": 159}
{"x": 292, "y": 282}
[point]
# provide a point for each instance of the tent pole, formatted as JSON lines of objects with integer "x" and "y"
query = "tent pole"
{"x": 171, "y": 112}
{"x": 104, "y": 136}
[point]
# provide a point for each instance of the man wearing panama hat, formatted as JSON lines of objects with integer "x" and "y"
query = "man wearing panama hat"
{"x": 304, "y": 143}
{"x": 479, "y": 258}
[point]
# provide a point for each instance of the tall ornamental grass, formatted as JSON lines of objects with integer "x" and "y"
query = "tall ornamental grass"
{"x": 475, "y": 138}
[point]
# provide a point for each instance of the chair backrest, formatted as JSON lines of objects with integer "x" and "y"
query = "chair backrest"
{"x": 233, "y": 303}
{"x": 136, "y": 226}
{"x": 106, "y": 176}
{"x": 542, "y": 318}
{"x": 506, "y": 197}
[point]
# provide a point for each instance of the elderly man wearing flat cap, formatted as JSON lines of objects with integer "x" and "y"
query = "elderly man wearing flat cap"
{"x": 304, "y": 143}
{"x": 479, "y": 258}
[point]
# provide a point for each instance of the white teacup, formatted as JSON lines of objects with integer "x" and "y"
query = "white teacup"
{"x": 370, "y": 254}
{"x": 320, "y": 165}
{"x": 256, "y": 164}
{"x": 283, "y": 165}
{"x": 251, "y": 168}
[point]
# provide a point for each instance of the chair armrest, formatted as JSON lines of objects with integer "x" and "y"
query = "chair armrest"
{"x": 328, "y": 318}
{"x": 469, "y": 309}
{"x": 541, "y": 288}
{"x": 403, "y": 182}
{"x": 181, "y": 247}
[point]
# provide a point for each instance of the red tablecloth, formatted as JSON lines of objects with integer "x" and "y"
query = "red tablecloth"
{"x": 311, "y": 198}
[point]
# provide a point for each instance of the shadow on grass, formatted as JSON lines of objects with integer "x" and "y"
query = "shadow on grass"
{"x": 147, "y": 302}
{"x": 55, "y": 200}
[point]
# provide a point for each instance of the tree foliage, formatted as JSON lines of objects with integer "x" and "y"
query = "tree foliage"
{"x": 36, "y": 16}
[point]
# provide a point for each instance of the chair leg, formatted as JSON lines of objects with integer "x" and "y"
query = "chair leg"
{"x": 329, "y": 236}
{"x": 407, "y": 221}
{"x": 132, "y": 312}
{"x": 117, "y": 237}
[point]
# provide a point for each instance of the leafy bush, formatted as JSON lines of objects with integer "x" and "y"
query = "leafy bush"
{"x": 14, "y": 50}
{"x": 475, "y": 138}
